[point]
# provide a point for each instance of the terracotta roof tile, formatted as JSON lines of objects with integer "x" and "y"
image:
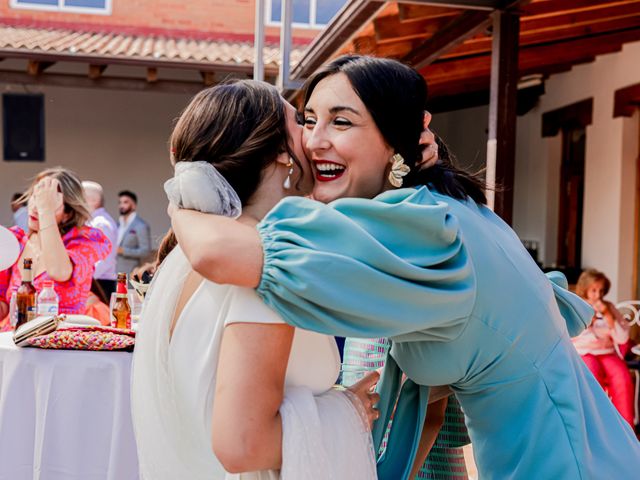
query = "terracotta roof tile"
{"x": 108, "y": 45}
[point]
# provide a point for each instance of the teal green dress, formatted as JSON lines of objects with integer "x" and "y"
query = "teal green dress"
{"x": 464, "y": 305}
{"x": 446, "y": 458}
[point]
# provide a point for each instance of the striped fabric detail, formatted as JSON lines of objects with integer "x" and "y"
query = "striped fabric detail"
{"x": 446, "y": 459}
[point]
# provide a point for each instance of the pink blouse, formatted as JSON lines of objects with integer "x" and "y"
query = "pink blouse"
{"x": 85, "y": 246}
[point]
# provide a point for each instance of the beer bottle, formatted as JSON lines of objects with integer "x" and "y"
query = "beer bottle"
{"x": 26, "y": 295}
{"x": 121, "y": 311}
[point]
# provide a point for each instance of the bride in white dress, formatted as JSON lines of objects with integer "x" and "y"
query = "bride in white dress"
{"x": 205, "y": 352}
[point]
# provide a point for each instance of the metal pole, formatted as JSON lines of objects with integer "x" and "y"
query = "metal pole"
{"x": 285, "y": 44}
{"x": 258, "y": 42}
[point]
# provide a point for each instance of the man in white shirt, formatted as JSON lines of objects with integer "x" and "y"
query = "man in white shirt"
{"x": 105, "y": 272}
{"x": 20, "y": 213}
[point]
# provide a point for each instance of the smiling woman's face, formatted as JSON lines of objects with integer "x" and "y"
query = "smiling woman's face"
{"x": 350, "y": 158}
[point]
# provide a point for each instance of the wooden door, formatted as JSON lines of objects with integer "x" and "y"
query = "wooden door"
{"x": 636, "y": 249}
{"x": 571, "y": 199}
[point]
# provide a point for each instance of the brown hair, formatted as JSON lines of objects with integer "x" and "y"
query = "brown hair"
{"x": 72, "y": 196}
{"x": 589, "y": 277}
{"x": 239, "y": 127}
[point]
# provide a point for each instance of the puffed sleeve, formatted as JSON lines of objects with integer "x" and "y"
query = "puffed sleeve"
{"x": 85, "y": 246}
{"x": 390, "y": 266}
{"x": 576, "y": 312}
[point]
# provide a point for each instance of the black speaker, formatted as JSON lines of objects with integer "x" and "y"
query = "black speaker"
{"x": 23, "y": 122}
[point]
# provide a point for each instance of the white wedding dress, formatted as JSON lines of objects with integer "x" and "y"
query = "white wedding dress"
{"x": 174, "y": 381}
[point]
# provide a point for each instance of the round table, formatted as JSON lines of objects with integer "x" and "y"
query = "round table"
{"x": 65, "y": 414}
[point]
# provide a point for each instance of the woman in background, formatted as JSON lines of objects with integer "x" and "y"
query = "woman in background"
{"x": 63, "y": 249}
{"x": 598, "y": 343}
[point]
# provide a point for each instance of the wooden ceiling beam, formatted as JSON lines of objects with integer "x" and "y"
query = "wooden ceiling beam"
{"x": 585, "y": 25}
{"x": 532, "y": 59}
{"x": 152, "y": 74}
{"x": 409, "y": 11}
{"x": 364, "y": 45}
{"x": 96, "y": 71}
{"x": 529, "y": 63}
{"x": 551, "y": 7}
{"x": 35, "y": 67}
{"x": 111, "y": 83}
{"x": 584, "y": 17}
{"x": 601, "y": 12}
{"x": 463, "y": 27}
{"x": 456, "y": 32}
{"x": 208, "y": 78}
{"x": 391, "y": 28}
{"x": 528, "y": 37}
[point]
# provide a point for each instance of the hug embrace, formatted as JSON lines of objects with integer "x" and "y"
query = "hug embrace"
{"x": 347, "y": 219}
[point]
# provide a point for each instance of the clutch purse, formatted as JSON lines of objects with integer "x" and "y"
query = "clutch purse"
{"x": 37, "y": 326}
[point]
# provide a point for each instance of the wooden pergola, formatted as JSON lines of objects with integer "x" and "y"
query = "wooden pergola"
{"x": 475, "y": 52}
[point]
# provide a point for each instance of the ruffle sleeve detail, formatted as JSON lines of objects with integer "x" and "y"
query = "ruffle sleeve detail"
{"x": 85, "y": 246}
{"x": 391, "y": 266}
{"x": 576, "y": 312}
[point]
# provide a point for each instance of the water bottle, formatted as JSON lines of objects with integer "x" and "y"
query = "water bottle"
{"x": 13, "y": 307}
{"x": 48, "y": 300}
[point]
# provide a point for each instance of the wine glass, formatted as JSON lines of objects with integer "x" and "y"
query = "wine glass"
{"x": 351, "y": 374}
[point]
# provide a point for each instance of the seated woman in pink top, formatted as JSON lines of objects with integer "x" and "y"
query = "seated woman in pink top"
{"x": 597, "y": 343}
{"x": 63, "y": 249}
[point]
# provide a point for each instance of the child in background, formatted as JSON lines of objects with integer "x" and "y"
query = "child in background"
{"x": 98, "y": 305}
{"x": 597, "y": 344}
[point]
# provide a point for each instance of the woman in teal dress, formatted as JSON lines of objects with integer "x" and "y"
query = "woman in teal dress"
{"x": 435, "y": 271}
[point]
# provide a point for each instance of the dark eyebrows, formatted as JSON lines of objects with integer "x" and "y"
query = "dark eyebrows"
{"x": 342, "y": 108}
{"x": 336, "y": 109}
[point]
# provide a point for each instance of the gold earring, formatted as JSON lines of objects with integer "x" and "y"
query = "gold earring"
{"x": 287, "y": 181}
{"x": 398, "y": 170}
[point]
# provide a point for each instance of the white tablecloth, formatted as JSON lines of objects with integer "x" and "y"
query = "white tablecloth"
{"x": 65, "y": 415}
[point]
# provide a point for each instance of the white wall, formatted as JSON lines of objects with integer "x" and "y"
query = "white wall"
{"x": 610, "y": 170}
{"x": 117, "y": 138}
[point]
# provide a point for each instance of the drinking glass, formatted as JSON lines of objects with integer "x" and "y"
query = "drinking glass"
{"x": 351, "y": 374}
{"x": 112, "y": 300}
{"x": 135, "y": 302}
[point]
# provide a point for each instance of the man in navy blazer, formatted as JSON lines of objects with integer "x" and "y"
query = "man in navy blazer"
{"x": 134, "y": 236}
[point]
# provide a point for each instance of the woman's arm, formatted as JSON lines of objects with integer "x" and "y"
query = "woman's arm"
{"x": 54, "y": 254}
{"x": 432, "y": 425}
{"x": 219, "y": 248}
{"x": 620, "y": 327}
{"x": 246, "y": 423}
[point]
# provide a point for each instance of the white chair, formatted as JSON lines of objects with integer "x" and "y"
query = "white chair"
{"x": 630, "y": 310}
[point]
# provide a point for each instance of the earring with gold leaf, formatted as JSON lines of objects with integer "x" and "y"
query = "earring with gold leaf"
{"x": 398, "y": 170}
